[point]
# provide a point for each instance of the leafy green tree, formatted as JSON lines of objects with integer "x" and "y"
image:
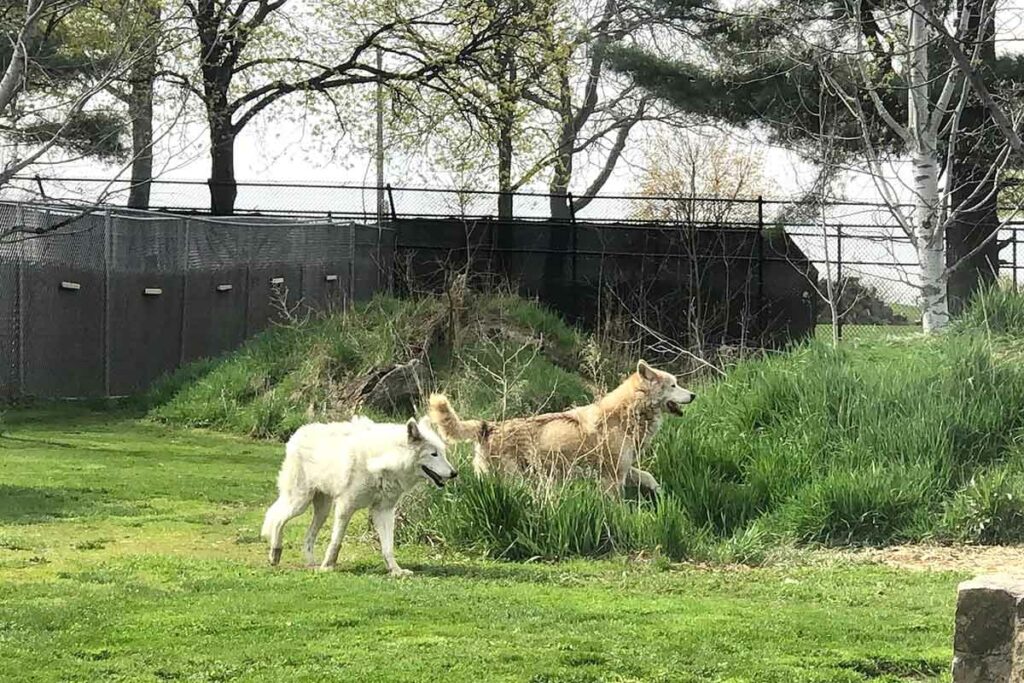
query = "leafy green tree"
{"x": 785, "y": 65}
{"x": 542, "y": 106}
{"x": 249, "y": 56}
{"x": 56, "y": 60}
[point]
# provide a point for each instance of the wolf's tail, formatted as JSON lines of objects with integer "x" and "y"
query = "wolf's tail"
{"x": 451, "y": 427}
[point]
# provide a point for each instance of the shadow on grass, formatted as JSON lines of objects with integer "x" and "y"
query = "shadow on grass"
{"x": 883, "y": 667}
{"x": 65, "y": 414}
{"x": 31, "y": 505}
{"x": 489, "y": 572}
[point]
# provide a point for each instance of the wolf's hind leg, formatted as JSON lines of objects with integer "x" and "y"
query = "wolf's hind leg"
{"x": 321, "y": 508}
{"x": 283, "y": 509}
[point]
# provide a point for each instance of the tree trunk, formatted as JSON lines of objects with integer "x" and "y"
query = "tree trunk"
{"x": 505, "y": 170}
{"x": 140, "y": 110}
{"x": 561, "y": 174}
{"x": 973, "y": 195}
{"x": 928, "y": 237}
{"x": 558, "y": 278}
{"x": 223, "y": 188}
{"x": 506, "y": 127}
{"x": 559, "y": 189}
{"x": 934, "y": 309}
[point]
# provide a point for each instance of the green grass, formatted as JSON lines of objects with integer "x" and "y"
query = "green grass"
{"x": 997, "y": 310}
{"x": 128, "y": 552}
{"x": 869, "y": 444}
{"x": 887, "y": 439}
{"x": 288, "y": 376}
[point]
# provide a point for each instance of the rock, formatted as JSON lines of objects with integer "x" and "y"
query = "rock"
{"x": 398, "y": 388}
{"x": 988, "y": 643}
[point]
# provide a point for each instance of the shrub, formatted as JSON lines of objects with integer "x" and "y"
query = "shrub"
{"x": 860, "y": 303}
{"x": 997, "y": 309}
{"x": 989, "y": 509}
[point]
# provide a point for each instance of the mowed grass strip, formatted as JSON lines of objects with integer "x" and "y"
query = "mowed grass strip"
{"x": 129, "y": 551}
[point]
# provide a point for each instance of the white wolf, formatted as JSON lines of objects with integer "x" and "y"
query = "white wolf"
{"x": 357, "y": 464}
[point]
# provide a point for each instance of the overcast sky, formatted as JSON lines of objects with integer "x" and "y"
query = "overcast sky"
{"x": 285, "y": 149}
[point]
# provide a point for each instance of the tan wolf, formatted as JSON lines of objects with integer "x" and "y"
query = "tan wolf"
{"x": 606, "y": 435}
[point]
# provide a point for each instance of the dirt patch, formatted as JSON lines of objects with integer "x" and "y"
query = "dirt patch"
{"x": 967, "y": 559}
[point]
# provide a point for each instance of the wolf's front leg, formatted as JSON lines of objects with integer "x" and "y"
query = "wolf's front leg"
{"x": 637, "y": 477}
{"x": 384, "y": 523}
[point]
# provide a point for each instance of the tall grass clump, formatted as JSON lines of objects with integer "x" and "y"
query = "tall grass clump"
{"x": 509, "y": 518}
{"x": 864, "y": 445}
{"x": 989, "y": 508}
{"x": 997, "y": 309}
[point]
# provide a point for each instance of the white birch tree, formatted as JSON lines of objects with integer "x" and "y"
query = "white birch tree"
{"x": 934, "y": 103}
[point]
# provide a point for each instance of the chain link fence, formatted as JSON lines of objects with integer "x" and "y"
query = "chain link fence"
{"x": 863, "y": 280}
{"x": 100, "y": 302}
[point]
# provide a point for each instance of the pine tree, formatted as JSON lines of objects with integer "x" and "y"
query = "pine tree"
{"x": 766, "y": 72}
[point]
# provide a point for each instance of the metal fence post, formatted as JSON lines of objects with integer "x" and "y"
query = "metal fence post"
{"x": 759, "y": 316}
{"x": 351, "y": 262}
{"x": 108, "y": 236}
{"x": 391, "y": 202}
{"x": 19, "y": 219}
{"x": 839, "y": 279}
{"x": 184, "y": 293}
{"x": 1013, "y": 268}
{"x": 575, "y": 236}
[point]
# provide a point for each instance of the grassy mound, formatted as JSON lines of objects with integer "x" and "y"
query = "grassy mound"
{"x": 897, "y": 439}
{"x": 316, "y": 370}
{"x": 868, "y": 445}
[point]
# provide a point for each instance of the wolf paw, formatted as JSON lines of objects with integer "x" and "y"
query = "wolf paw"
{"x": 400, "y": 573}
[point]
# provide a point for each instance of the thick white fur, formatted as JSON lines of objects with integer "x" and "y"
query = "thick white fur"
{"x": 357, "y": 464}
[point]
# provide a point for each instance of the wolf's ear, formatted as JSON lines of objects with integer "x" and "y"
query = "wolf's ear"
{"x": 413, "y": 430}
{"x": 646, "y": 372}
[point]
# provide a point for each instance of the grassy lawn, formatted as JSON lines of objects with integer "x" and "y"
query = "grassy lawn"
{"x": 130, "y": 551}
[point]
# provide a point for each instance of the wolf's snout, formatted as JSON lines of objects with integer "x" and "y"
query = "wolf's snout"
{"x": 693, "y": 397}
{"x": 454, "y": 475}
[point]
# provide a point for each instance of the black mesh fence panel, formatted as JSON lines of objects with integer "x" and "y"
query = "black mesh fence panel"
{"x": 144, "y": 308}
{"x": 706, "y": 270}
{"x": 100, "y": 302}
{"x": 371, "y": 252}
{"x": 10, "y": 310}
{"x": 63, "y": 301}
{"x": 216, "y": 289}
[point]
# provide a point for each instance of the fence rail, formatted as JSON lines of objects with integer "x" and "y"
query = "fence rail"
{"x": 857, "y": 246}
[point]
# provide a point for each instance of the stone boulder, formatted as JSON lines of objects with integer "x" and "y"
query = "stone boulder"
{"x": 988, "y": 643}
